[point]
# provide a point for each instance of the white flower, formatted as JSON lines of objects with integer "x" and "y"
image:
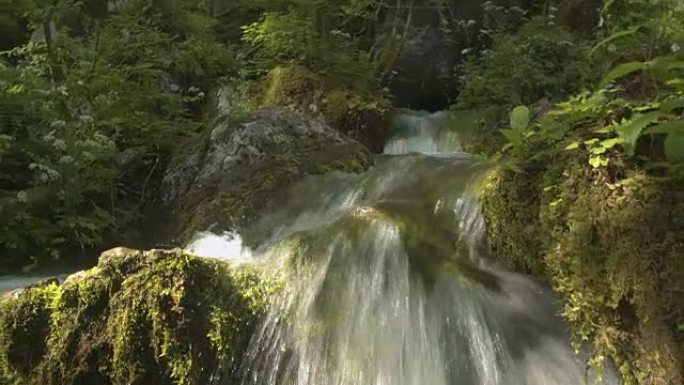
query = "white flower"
{"x": 66, "y": 159}
{"x": 675, "y": 47}
{"x": 51, "y": 174}
{"x": 22, "y": 196}
{"x": 59, "y": 144}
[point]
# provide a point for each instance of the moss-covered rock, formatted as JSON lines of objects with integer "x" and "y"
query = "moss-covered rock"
{"x": 610, "y": 241}
{"x": 510, "y": 204}
{"x": 355, "y": 110}
{"x": 139, "y": 317}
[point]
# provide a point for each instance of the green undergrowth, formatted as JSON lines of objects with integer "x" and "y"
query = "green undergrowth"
{"x": 585, "y": 131}
{"x": 540, "y": 63}
{"x": 153, "y": 317}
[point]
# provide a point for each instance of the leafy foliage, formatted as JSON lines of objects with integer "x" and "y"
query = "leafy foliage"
{"x": 591, "y": 199}
{"x": 539, "y": 61}
{"x": 87, "y": 109}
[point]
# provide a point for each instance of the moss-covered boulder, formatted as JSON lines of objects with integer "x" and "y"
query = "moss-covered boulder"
{"x": 243, "y": 163}
{"x": 139, "y": 317}
{"x": 611, "y": 243}
{"x": 357, "y": 110}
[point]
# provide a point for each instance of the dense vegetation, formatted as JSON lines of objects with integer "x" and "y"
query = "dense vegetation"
{"x": 586, "y": 132}
{"x": 94, "y": 94}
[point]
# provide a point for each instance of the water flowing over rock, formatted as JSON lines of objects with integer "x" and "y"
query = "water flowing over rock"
{"x": 388, "y": 284}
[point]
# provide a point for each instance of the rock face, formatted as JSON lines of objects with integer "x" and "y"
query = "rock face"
{"x": 139, "y": 317}
{"x": 238, "y": 168}
{"x": 426, "y": 70}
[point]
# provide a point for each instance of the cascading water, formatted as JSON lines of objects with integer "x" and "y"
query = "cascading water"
{"x": 385, "y": 283}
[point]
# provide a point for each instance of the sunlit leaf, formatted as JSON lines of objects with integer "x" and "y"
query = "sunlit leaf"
{"x": 610, "y": 143}
{"x": 598, "y": 161}
{"x": 623, "y": 70}
{"x": 520, "y": 118}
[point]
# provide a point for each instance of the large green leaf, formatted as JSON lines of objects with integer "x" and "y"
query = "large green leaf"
{"x": 670, "y": 105}
{"x": 520, "y": 118}
{"x": 512, "y": 136}
{"x": 674, "y": 146}
{"x": 612, "y": 37}
{"x": 662, "y": 66}
{"x": 671, "y": 127}
{"x": 631, "y": 130}
{"x": 623, "y": 70}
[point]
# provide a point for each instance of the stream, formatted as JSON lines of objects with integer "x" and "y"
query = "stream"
{"x": 388, "y": 282}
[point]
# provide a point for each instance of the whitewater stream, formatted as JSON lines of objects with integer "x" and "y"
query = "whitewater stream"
{"x": 387, "y": 281}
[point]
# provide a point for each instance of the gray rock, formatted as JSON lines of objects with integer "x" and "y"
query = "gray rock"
{"x": 239, "y": 166}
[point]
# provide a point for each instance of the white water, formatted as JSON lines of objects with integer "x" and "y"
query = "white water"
{"x": 377, "y": 292}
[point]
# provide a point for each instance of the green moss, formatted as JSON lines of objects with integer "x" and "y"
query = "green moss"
{"x": 510, "y": 203}
{"x": 355, "y": 109}
{"x": 291, "y": 85}
{"x": 161, "y": 317}
{"x": 610, "y": 243}
{"x": 24, "y": 327}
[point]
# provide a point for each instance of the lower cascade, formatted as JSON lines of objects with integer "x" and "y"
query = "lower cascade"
{"x": 387, "y": 282}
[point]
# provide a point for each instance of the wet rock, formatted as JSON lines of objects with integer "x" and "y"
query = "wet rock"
{"x": 240, "y": 165}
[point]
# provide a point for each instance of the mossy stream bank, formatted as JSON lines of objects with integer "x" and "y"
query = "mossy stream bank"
{"x": 152, "y": 317}
{"x": 610, "y": 242}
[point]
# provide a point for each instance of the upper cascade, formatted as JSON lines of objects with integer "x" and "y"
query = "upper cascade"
{"x": 421, "y": 132}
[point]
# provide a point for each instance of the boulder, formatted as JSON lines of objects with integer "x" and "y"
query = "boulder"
{"x": 138, "y": 317}
{"x": 237, "y": 168}
{"x": 360, "y": 112}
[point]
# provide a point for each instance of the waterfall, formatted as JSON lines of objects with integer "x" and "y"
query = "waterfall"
{"x": 386, "y": 281}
